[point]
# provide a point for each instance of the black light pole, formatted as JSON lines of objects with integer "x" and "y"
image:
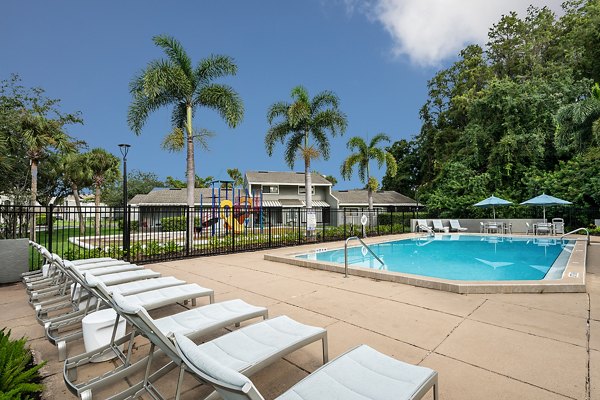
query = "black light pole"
{"x": 124, "y": 150}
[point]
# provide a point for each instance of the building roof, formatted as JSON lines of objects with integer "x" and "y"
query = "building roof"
{"x": 177, "y": 197}
{"x": 284, "y": 178}
{"x": 360, "y": 198}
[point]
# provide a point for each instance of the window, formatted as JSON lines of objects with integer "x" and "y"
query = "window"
{"x": 270, "y": 189}
{"x": 302, "y": 190}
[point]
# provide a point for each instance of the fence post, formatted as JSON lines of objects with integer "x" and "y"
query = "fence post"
{"x": 233, "y": 224}
{"x": 50, "y": 223}
{"x": 299, "y": 231}
{"x": 345, "y": 234}
{"x": 127, "y": 233}
{"x": 403, "y": 221}
{"x": 270, "y": 223}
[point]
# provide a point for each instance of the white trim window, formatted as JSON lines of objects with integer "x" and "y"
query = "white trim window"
{"x": 270, "y": 189}
{"x": 302, "y": 190}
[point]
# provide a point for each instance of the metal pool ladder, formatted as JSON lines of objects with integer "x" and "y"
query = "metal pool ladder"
{"x": 346, "y": 253}
{"x": 577, "y": 230}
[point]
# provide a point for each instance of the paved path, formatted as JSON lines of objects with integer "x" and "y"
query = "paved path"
{"x": 497, "y": 346}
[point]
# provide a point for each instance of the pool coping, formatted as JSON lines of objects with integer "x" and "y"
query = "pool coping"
{"x": 572, "y": 280}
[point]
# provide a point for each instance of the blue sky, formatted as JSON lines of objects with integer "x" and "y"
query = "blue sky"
{"x": 375, "y": 55}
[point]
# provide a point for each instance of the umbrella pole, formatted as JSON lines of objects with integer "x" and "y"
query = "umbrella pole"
{"x": 494, "y": 212}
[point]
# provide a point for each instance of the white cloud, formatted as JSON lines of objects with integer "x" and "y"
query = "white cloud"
{"x": 429, "y": 31}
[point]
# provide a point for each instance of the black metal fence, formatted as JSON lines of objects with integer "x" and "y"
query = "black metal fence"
{"x": 153, "y": 234}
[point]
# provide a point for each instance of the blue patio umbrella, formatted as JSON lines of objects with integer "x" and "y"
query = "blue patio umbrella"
{"x": 545, "y": 200}
{"x": 492, "y": 201}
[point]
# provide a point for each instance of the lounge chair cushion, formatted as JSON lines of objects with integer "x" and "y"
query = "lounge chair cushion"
{"x": 265, "y": 341}
{"x": 362, "y": 373}
{"x": 128, "y": 276}
{"x": 199, "y": 321}
{"x": 210, "y": 366}
{"x": 145, "y": 285}
{"x": 166, "y": 296}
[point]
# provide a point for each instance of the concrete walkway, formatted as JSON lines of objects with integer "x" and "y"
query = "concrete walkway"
{"x": 511, "y": 346}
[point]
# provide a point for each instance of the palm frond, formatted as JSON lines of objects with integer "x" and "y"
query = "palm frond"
{"x": 174, "y": 141}
{"x": 276, "y": 133}
{"x": 300, "y": 94}
{"x": 176, "y": 53}
{"x": 392, "y": 165}
{"x": 201, "y": 137}
{"x": 278, "y": 109}
{"x": 347, "y": 167}
{"x": 358, "y": 143}
{"x": 380, "y": 137}
{"x": 213, "y": 67}
{"x": 294, "y": 145}
{"x": 333, "y": 120}
{"x": 298, "y": 114}
{"x": 224, "y": 100}
{"x": 324, "y": 99}
{"x": 322, "y": 143}
{"x": 141, "y": 107}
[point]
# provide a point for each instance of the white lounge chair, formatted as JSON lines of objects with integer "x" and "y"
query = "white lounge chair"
{"x": 361, "y": 373}
{"x": 438, "y": 226}
{"x": 421, "y": 226}
{"x": 248, "y": 349}
{"x": 194, "y": 323}
{"x": 455, "y": 226}
{"x": 558, "y": 226}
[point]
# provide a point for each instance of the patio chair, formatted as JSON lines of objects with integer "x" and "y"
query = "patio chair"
{"x": 248, "y": 349}
{"x": 359, "y": 373}
{"x": 543, "y": 228}
{"x": 528, "y": 228}
{"x": 438, "y": 226}
{"x": 455, "y": 226}
{"x": 139, "y": 295}
{"x": 558, "y": 226}
{"x": 194, "y": 323}
{"x": 421, "y": 226}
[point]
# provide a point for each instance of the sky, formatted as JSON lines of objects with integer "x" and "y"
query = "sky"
{"x": 376, "y": 55}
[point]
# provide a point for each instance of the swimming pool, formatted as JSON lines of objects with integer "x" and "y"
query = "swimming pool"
{"x": 461, "y": 257}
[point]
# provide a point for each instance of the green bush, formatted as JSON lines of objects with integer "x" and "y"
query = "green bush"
{"x": 40, "y": 219}
{"x": 134, "y": 226}
{"x": 19, "y": 377}
{"x": 173, "y": 224}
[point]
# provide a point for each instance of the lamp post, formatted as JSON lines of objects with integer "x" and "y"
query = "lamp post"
{"x": 124, "y": 148}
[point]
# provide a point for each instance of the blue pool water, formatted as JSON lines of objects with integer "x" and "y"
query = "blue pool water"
{"x": 459, "y": 257}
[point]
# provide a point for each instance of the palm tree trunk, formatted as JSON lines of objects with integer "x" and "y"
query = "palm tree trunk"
{"x": 79, "y": 213}
{"x": 97, "y": 202}
{"x": 308, "y": 184}
{"x": 191, "y": 172}
{"x": 34, "y": 187}
{"x": 370, "y": 194}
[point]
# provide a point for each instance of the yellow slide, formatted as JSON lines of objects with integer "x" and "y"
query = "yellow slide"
{"x": 230, "y": 221}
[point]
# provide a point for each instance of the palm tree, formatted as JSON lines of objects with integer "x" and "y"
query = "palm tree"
{"x": 39, "y": 135}
{"x": 174, "y": 82}
{"x": 77, "y": 175}
{"x": 363, "y": 155}
{"x": 104, "y": 168}
{"x": 578, "y": 124}
{"x": 301, "y": 121}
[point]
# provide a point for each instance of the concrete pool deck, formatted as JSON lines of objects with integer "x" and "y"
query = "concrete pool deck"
{"x": 484, "y": 346}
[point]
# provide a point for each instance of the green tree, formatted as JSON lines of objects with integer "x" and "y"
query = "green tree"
{"x": 236, "y": 176}
{"x": 578, "y": 124}
{"x": 77, "y": 175}
{"x": 104, "y": 169}
{"x": 362, "y": 155}
{"x": 407, "y": 175}
{"x": 301, "y": 122}
{"x": 175, "y": 82}
{"x": 138, "y": 182}
{"x": 174, "y": 183}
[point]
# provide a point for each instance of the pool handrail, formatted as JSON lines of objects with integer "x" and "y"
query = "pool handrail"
{"x": 587, "y": 232}
{"x": 346, "y": 253}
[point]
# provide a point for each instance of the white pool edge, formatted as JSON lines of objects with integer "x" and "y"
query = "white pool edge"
{"x": 571, "y": 281}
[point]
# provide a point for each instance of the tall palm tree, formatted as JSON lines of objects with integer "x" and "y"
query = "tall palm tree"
{"x": 174, "y": 82}
{"x": 301, "y": 122}
{"x": 362, "y": 157}
{"x": 39, "y": 135}
{"x": 104, "y": 168}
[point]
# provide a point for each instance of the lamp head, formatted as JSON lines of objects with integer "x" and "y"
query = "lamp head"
{"x": 124, "y": 147}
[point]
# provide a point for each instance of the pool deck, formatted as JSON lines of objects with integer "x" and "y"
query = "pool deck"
{"x": 484, "y": 346}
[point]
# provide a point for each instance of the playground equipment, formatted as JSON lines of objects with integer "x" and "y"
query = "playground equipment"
{"x": 229, "y": 214}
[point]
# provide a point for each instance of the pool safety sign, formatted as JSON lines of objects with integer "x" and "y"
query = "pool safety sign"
{"x": 311, "y": 220}
{"x": 364, "y": 220}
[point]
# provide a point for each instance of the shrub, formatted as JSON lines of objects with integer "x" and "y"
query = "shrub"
{"x": 134, "y": 226}
{"x": 173, "y": 224}
{"x": 19, "y": 377}
{"x": 40, "y": 219}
